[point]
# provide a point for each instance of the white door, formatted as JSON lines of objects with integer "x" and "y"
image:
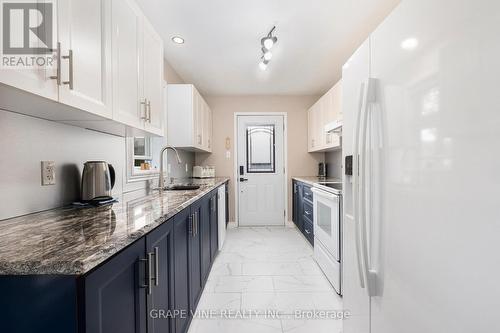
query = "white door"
{"x": 128, "y": 102}
{"x": 437, "y": 65}
{"x": 261, "y": 177}
{"x": 152, "y": 65}
{"x": 85, "y": 31}
{"x": 355, "y": 297}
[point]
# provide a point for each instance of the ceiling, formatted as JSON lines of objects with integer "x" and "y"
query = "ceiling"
{"x": 222, "y": 49}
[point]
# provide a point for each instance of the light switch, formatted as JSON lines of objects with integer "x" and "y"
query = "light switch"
{"x": 228, "y": 154}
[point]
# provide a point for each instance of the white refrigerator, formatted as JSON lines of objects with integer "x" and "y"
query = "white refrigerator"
{"x": 421, "y": 105}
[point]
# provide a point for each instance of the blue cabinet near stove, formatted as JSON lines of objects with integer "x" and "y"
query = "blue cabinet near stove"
{"x": 303, "y": 214}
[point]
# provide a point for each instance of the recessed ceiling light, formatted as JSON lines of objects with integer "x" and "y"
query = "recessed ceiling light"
{"x": 409, "y": 44}
{"x": 178, "y": 40}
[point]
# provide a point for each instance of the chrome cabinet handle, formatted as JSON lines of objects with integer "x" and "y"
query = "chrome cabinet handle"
{"x": 57, "y": 77}
{"x": 150, "y": 273}
{"x": 141, "y": 261}
{"x": 157, "y": 265}
{"x": 144, "y": 103}
{"x": 148, "y": 107}
{"x": 307, "y": 212}
{"x": 70, "y": 64}
{"x": 190, "y": 225}
{"x": 197, "y": 223}
{"x": 148, "y": 285}
{"x": 307, "y": 231}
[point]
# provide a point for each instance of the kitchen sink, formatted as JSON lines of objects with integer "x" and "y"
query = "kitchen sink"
{"x": 181, "y": 187}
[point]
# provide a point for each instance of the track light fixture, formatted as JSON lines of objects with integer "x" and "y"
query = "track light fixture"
{"x": 267, "y": 43}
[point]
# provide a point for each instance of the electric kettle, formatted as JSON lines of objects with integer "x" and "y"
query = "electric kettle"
{"x": 98, "y": 180}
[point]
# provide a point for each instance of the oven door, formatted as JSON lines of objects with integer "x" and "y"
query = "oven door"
{"x": 326, "y": 221}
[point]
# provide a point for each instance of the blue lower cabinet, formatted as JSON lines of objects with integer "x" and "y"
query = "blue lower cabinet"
{"x": 160, "y": 298}
{"x": 303, "y": 212}
{"x": 38, "y": 303}
{"x": 183, "y": 226}
{"x": 115, "y": 293}
{"x": 195, "y": 278}
{"x": 151, "y": 286}
{"x": 204, "y": 222}
{"x": 214, "y": 225}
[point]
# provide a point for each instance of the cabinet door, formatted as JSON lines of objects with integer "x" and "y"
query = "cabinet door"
{"x": 197, "y": 119}
{"x": 299, "y": 220}
{"x": 129, "y": 105}
{"x": 85, "y": 31}
{"x": 195, "y": 276}
{"x": 152, "y": 64}
{"x": 204, "y": 230}
{"x": 37, "y": 80}
{"x": 320, "y": 123}
{"x": 160, "y": 248}
{"x": 214, "y": 225}
{"x": 209, "y": 125}
{"x": 114, "y": 298}
{"x": 182, "y": 229}
{"x": 295, "y": 198}
{"x": 310, "y": 129}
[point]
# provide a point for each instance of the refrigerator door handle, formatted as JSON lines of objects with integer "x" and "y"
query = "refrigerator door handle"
{"x": 356, "y": 187}
{"x": 369, "y": 97}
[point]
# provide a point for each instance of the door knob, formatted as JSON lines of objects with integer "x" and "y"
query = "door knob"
{"x": 243, "y": 179}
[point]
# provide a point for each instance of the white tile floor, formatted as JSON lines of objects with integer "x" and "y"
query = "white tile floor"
{"x": 266, "y": 269}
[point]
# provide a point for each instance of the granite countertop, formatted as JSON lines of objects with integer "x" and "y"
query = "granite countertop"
{"x": 72, "y": 241}
{"x": 311, "y": 180}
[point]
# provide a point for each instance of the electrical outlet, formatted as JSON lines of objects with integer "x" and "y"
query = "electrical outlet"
{"x": 48, "y": 173}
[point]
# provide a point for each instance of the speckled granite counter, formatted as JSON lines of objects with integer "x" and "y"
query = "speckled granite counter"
{"x": 311, "y": 180}
{"x": 72, "y": 241}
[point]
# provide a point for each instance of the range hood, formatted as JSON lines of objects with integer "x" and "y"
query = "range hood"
{"x": 334, "y": 127}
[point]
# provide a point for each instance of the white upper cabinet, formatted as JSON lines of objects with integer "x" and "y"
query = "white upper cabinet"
{"x": 327, "y": 109}
{"x": 129, "y": 104}
{"x": 189, "y": 118}
{"x": 36, "y": 81}
{"x": 108, "y": 72}
{"x": 85, "y": 46}
{"x": 152, "y": 65}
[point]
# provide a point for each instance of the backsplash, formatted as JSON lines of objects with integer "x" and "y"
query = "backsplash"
{"x": 26, "y": 141}
{"x": 334, "y": 163}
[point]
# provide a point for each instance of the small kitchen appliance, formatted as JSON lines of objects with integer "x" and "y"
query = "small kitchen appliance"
{"x": 203, "y": 172}
{"x": 98, "y": 179}
{"x": 322, "y": 170}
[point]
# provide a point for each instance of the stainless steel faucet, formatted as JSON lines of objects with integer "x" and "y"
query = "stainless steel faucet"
{"x": 161, "y": 183}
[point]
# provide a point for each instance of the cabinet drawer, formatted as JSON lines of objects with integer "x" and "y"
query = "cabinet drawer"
{"x": 308, "y": 231}
{"x": 307, "y": 209}
{"x": 308, "y": 195}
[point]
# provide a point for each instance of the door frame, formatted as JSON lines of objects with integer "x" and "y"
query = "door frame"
{"x": 235, "y": 159}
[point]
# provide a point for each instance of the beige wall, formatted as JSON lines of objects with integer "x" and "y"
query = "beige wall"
{"x": 300, "y": 162}
{"x": 170, "y": 74}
